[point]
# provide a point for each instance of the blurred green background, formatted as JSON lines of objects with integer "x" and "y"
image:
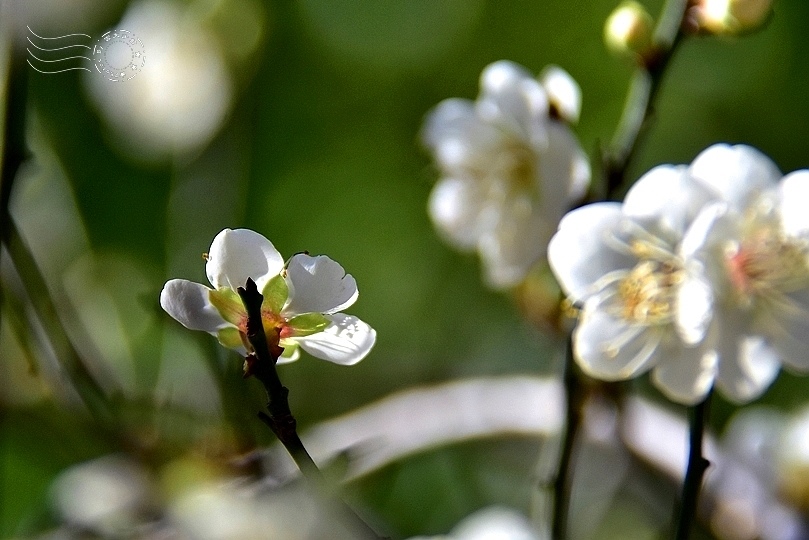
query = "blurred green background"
{"x": 319, "y": 151}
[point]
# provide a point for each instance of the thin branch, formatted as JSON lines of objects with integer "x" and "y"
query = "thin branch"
{"x": 563, "y": 482}
{"x": 639, "y": 105}
{"x": 92, "y": 394}
{"x": 697, "y": 465}
{"x": 261, "y": 364}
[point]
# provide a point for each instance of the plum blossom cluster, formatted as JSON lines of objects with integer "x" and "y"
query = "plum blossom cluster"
{"x": 510, "y": 167}
{"x": 701, "y": 275}
{"x": 302, "y": 300}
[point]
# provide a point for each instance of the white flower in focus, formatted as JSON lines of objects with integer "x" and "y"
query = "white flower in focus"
{"x": 180, "y": 98}
{"x": 754, "y": 244}
{"x": 301, "y": 300}
{"x": 510, "y": 167}
{"x": 643, "y": 306}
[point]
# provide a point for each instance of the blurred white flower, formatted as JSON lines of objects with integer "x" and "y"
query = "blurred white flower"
{"x": 643, "y": 306}
{"x": 179, "y": 100}
{"x": 490, "y": 523}
{"x": 754, "y": 244}
{"x": 109, "y": 495}
{"x": 301, "y": 300}
{"x": 763, "y": 457}
{"x": 510, "y": 167}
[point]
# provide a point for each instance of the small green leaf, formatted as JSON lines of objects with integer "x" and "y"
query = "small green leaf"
{"x": 228, "y": 304}
{"x": 230, "y": 337}
{"x": 275, "y": 294}
{"x": 308, "y": 323}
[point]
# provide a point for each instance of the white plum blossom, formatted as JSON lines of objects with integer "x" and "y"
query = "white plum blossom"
{"x": 643, "y": 306}
{"x": 302, "y": 300}
{"x": 701, "y": 275}
{"x": 754, "y": 244}
{"x": 510, "y": 167}
{"x": 180, "y": 98}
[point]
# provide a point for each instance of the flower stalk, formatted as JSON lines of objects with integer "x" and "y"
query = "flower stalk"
{"x": 280, "y": 419}
{"x": 639, "y": 105}
{"x": 563, "y": 482}
{"x": 261, "y": 364}
{"x": 697, "y": 465}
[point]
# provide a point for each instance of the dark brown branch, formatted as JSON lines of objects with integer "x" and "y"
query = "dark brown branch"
{"x": 262, "y": 365}
{"x": 697, "y": 465}
{"x": 639, "y": 106}
{"x": 563, "y": 482}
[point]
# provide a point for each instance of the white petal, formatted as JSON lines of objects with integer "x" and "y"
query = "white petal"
{"x": 563, "y": 92}
{"x": 685, "y": 374}
{"x": 794, "y": 194}
{"x": 735, "y": 173}
{"x": 318, "y": 285}
{"x": 668, "y": 196}
{"x": 189, "y": 303}
{"x": 694, "y": 306}
{"x": 346, "y": 341}
{"x": 238, "y": 254}
{"x": 714, "y": 229}
{"x": 789, "y": 330}
{"x": 515, "y": 242}
{"x": 455, "y": 207}
{"x": 581, "y": 176}
{"x": 457, "y": 136}
{"x": 580, "y": 254}
{"x": 609, "y": 348}
{"x": 511, "y": 98}
{"x": 563, "y": 172}
{"x": 747, "y": 364}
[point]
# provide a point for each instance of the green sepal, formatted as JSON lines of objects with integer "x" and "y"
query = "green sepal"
{"x": 308, "y": 324}
{"x": 289, "y": 349}
{"x": 230, "y": 337}
{"x": 275, "y": 293}
{"x": 228, "y": 304}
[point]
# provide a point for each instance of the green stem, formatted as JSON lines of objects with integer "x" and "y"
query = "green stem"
{"x": 697, "y": 465}
{"x": 280, "y": 419}
{"x": 639, "y": 104}
{"x": 14, "y": 111}
{"x": 563, "y": 482}
{"x": 92, "y": 394}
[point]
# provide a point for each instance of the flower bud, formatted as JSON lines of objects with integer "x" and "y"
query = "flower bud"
{"x": 730, "y": 17}
{"x": 628, "y": 30}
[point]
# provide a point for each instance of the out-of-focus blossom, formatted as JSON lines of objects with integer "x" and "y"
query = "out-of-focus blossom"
{"x": 730, "y": 16}
{"x": 180, "y": 98}
{"x": 109, "y": 496}
{"x": 754, "y": 245}
{"x": 301, "y": 300}
{"x": 510, "y": 167}
{"x": 643, "y": 306}
{"x": 792, "y": 460}
{"x": 628, "y": 30}
{"x": 743, "y": 483}
{"x": 491, "y": 523}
